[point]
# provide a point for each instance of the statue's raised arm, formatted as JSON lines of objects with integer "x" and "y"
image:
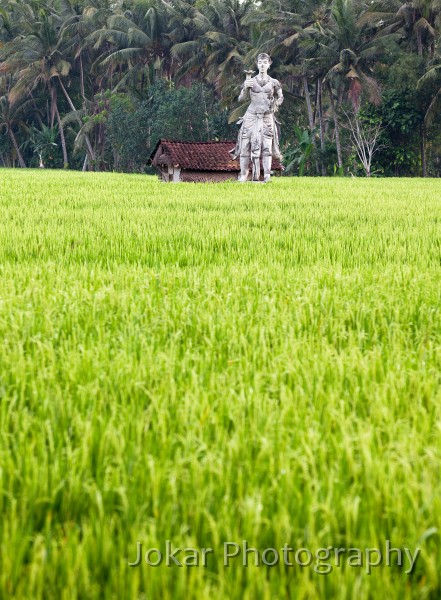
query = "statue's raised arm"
{"x": 258, "y": 138}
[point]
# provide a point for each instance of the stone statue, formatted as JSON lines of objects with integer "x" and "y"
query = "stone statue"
{"x": 260, "y": 131}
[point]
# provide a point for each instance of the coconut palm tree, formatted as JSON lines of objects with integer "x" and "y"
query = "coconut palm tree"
{"x": 415, "y": 23}
{"x": 8, "y": 25}
{"x": 430, "y": 83}
{"x": 344, "y": 51}
{"x": 35, "y": 58}
{"x": 347, "y": 51}
{"x": 13, "y": 117}
{"x": 133, "y": 39}
{"x": 223, "y": 46}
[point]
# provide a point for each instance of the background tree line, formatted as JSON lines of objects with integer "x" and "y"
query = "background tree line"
{"x": 92, "y": 84}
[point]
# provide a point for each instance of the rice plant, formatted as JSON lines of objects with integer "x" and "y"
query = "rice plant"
{"x": 217, "y": 363}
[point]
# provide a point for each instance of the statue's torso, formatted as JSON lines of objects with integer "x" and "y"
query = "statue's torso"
{"x": 262, "y": 95}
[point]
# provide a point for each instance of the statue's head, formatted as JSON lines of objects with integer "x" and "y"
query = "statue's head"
{"x": 263, "y": 56}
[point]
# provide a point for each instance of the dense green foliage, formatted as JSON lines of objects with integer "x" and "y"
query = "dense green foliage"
{"x": 65, "y": 65}
{"x": 217, "y": 363}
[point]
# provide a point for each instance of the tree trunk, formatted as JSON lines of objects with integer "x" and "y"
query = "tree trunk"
{"x": 21, "y": 162}
{"x": 419, "y": 43}
{"x": 206, "y": 122}
{"x": 321, "y": 127}
{"x": 63, "y": 139}
{"x": 71, "y": 104}
{"x": 336, "y": 126}
{"x": 314, "y": 114}
{"x": 52, "y": 109}
{"x": 103, "y": 144}
{"x": 310, "y": 118}
{"x": 423, "y": 150}
{"x": 82, "y": 82}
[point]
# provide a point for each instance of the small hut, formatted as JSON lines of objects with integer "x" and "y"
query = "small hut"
{"x": 178, "y": 161}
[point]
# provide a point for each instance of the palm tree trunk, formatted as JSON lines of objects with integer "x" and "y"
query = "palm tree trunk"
{"x": 56, "y": 114}
{"x": 314, "y": 114}
{"x": 336, "y": 127}
{"x": 423, "y": 150}
{"x": 310, "y": 118}
{"x": 71, "y": 104}
{"x": 21, "y": 162}
{"x": 321, "y": 127}
{"x": 63, "y": 139}
{"x": 83, "y": 97}
{"x": 419, "y": 43}
{"x": 206, "y": 122}
{"x": 82, "y": 81}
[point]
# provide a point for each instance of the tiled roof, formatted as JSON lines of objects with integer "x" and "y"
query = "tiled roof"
{"x": 197, "y": 156}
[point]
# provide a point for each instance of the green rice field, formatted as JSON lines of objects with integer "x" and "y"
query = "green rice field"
{"x": 200, "y": 366}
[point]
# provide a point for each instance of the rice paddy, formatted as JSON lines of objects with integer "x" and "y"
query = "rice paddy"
{"x": 217, "y": 363}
